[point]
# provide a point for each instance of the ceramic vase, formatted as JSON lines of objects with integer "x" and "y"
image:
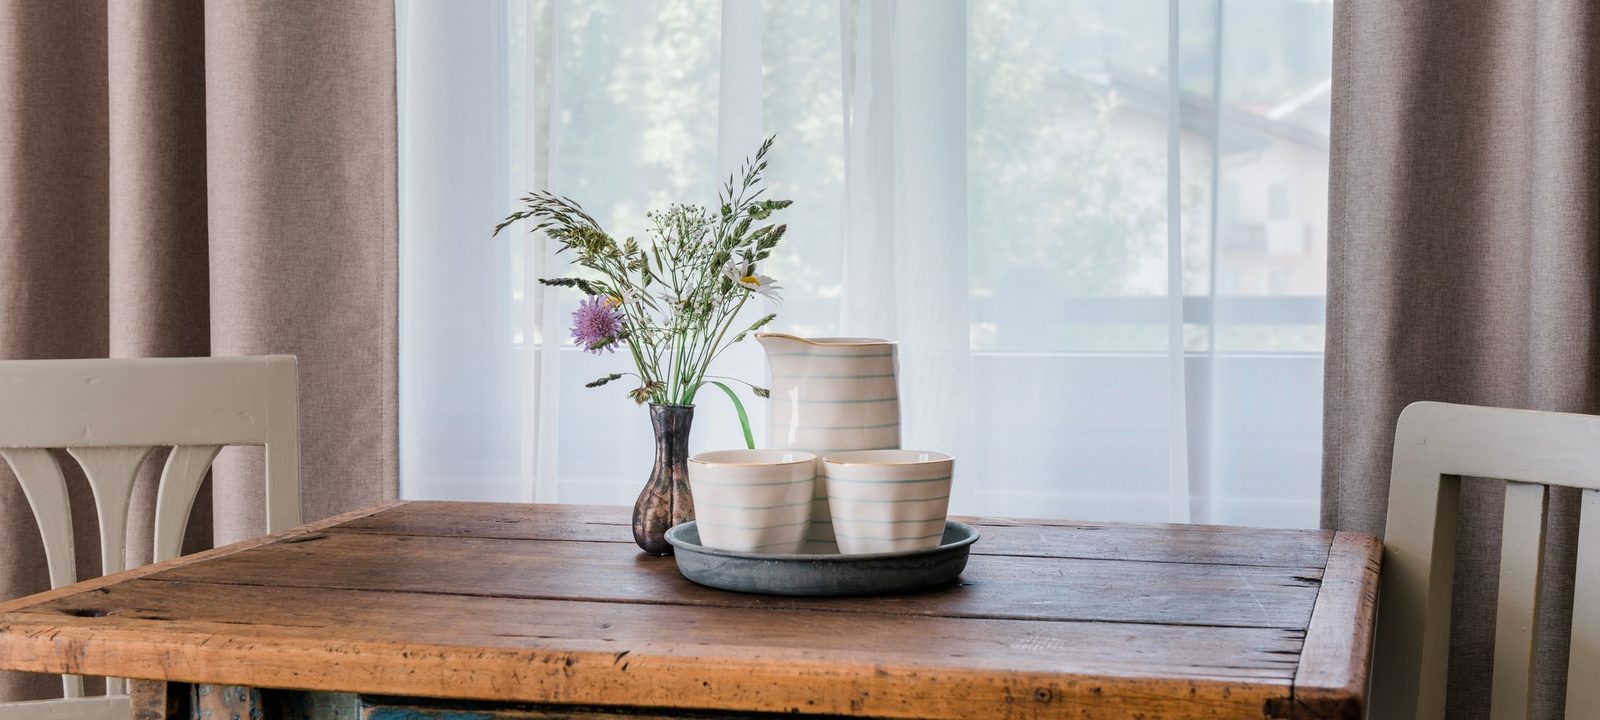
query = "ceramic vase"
{"x": 666, "y": 499}
{"x": 829, "y": 395}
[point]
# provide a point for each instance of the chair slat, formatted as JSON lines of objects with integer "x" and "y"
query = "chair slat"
{"x": 180, "y": 481}
{"x": 280, "y": 381}
{"x": 111, "y": 472}
{"x": 1411, "y": 657}
{"x": 46, "y": 489}
{"x": 1583, "y": 664}
{"x": 1521, "y": 560}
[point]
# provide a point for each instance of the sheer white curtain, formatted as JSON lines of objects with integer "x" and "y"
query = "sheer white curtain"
{"x": 1097, "y": 230}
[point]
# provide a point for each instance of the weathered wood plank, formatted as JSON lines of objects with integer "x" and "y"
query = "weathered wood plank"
{"x": 1330, "y": 681}
{"x": 200, "y": 557}
{"x": 1195, "y": 544}
{"x": 759, "y": 675}
{"x": 158, "y": 700}
{"x": 297, "y": 614}
{"x": 998, "y": 587}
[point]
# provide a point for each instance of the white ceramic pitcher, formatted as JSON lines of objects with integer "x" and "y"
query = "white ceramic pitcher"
{"x": 831, "y": 395}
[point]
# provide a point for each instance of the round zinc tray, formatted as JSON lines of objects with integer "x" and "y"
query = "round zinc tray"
{"x": 822, "y": 575}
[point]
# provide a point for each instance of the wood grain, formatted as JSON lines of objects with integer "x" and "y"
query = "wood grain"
{"x": 1201, "y": 544}
{"x": 1331, "y": 680}
{"x": 995, "y": 587}
{"x": 200, "y": 557}
{"x": 682, "y": 677}
{"x": 158, "y": 700}
{"x": 471, "y": 622}
{"x": 554, "y": 606}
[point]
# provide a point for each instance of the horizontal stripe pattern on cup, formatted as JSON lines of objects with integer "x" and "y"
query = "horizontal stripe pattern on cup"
{"x": 774, "y": 526}
{"x": 864, "y": 537}
{"x": 779, "y": 530}
{"x": 939, "y": 519}
{"x": 885, "y": 481}
{"x": 889, "y": 501}
{"x": 776, "y": 540}
{"x": 729, "y": 506}
{"x": 751, "y": 497}
{"x": 837, "y": 499}
{"x": 752, "y": 501}
{"x": 889, "y": 510}
{"x": 903, "y": 492}
{"x": 778, "y": 483}
{"x": 913, "y": 538}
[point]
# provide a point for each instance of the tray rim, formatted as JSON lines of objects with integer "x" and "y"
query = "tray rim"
{"x": 677, "y": 542}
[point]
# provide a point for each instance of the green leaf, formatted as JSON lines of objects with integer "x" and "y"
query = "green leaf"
{"x": 738, "y": 407}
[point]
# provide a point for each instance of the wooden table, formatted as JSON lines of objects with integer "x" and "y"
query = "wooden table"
{"x": 550, "y": 611}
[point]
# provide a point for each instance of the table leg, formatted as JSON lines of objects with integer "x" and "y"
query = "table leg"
{"x": 158, "y": 700}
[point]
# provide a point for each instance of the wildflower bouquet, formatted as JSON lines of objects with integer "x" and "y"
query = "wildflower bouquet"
{"x": 673, "y": 301}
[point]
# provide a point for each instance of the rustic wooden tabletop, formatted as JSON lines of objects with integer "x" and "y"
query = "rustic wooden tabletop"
{"x": 548, "y": 604}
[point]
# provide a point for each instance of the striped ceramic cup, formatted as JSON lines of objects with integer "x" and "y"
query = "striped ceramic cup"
{"x": 888, "y": 500}
{"x": 753, "y": 500}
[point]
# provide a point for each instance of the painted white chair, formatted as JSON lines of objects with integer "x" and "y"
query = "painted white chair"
{"x": 1531, "y": 450}
{"x": 109, "y": 415}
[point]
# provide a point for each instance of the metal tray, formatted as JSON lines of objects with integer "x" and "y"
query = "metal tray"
{"x": 822, "y": 575}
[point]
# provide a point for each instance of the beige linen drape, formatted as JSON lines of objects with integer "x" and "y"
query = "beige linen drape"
{"x": 1464, "y": 265}
{"x": 192, "y": 178}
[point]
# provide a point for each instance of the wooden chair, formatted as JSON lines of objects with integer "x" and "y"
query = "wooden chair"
{"x": 1531, "y": 450}
{"x": 109, "y": 415}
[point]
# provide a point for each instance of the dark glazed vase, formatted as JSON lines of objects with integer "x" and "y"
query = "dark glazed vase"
{"x": 666, "y": 500}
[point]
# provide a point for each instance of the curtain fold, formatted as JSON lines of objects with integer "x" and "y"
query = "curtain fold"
{"x": 188, "y": 178}
{"x": 1463, "y": 267}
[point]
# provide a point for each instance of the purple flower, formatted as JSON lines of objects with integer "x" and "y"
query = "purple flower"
{"x": 597, "y": 323}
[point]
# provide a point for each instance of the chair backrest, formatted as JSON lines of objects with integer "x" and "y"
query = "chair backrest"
{"x": 109, "y": 414}
{"x": 1532, "y": 450}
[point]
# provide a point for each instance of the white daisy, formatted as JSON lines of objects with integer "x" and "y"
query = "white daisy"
{"x": 747, "y": 278}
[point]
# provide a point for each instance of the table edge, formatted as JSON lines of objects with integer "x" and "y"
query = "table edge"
{"x": 93, "y": 584}
{"x": 1332, "y": 676}
{"x": 894, "y": 691}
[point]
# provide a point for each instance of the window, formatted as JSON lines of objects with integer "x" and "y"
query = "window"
{"x": 1279, "y": 202}
{"x": 1107, "y": 304}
